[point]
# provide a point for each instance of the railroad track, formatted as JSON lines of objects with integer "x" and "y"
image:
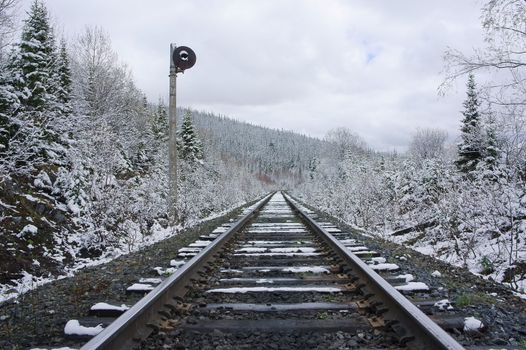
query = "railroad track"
{"x": 277, "y": 278}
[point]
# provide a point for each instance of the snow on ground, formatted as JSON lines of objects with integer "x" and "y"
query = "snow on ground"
{"x": 150, "y": 280}
{"x": 408, "y": 277}
{"x": 486, "y": 252}
{"x": 483, "y": 249}
{"x": 73, "y": 327}
{"x": 31, "y": 198}
{"x": 413, "y": 286}
{"x": 472, "y": 324}
{"x": 23, "y": 285}
{"x": 378, "y": 260}
{"x": 139, "y": 287}
{"x": 28, "y": 229}
{"x": 163, "y": 272}
{"x": 29, "y": 282}
{"x": 443, "y": 304}
{"x": 384, "y": 267}
{"x": 177, "y": 263}
{"x": 105, "y": 306}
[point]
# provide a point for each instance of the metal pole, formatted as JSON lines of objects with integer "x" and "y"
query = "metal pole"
{"x": 172, "y": 144}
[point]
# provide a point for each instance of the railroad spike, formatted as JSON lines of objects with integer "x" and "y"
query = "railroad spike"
{"x": 391, "y": 323}
{"x": 405, "y": 340}
{"x": 168, "y": 325}
{"x": 153, "y": 326}
{"x": 363, "y": 304}
{"x": 376, "y": 322}
{"x": 172, "y": 307}
{"x": 164, "y": 313}
{"x": 399, "y": 329}
{"x": 381, "y": 311}
{"x": 350, "y": 287}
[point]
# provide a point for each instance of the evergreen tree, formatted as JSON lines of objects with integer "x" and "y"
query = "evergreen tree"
{"x": 190, "y": 147}
{"x": 8, "y": 104}
{"x": 63, "y": 74}
{"x": 313, "y": 167}
{"x": 34, "y": 61}
{"x": 160, "y": 122}
{"x": 30, "y": 107}
{"x": 491, "y": 148}
{"x": 470, "y": 148}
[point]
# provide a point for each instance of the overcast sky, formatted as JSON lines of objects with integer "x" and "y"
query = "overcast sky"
{"x": 309, "y": 66}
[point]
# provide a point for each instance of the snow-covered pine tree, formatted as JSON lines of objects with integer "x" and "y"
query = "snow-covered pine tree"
{"x": 63, "y": 79}
{"x": 190, "y": 147}
{"x": 8, "y": 104}
{"x": 491, "y": 147}
{"x": 160, "y": 122}
{"x": 35, "y": 61}
{"x": 470, "y": 147}
{"x": 314, "y": 163}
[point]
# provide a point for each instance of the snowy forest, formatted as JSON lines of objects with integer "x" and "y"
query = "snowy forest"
{"x": 83, "y": 160}
{"x": 463, "y": 203}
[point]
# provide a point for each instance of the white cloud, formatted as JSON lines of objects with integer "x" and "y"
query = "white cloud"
{"x": 306, "y": 65}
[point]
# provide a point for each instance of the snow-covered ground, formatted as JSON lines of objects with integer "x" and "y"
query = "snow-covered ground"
{"x": 484, "y": 253}
{"x": 29, "y": 282}
{"x": 474, "y": 240}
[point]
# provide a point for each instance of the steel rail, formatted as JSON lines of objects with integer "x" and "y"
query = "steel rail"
{"x": 125, "y": 331}
{"x": 427, "y": 334}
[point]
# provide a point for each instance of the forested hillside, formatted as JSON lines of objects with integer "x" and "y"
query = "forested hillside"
{"x": 282, "y": 157}
{"x": 83, "y": 166}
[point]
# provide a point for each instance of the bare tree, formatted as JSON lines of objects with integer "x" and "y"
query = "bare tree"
{"x": 345, "y": 141}
{"x": 8, "y": 10}
{"x": 427, "y": 143}
{"x": 505, "y": 53}
{"x": 100, "y": 79}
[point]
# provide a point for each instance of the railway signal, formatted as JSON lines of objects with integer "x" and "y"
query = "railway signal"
{"x": 184, "y": 58}
{"x": 181, "y": 59}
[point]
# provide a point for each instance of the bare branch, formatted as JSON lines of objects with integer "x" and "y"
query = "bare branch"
{"x": 8, "y": 9}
